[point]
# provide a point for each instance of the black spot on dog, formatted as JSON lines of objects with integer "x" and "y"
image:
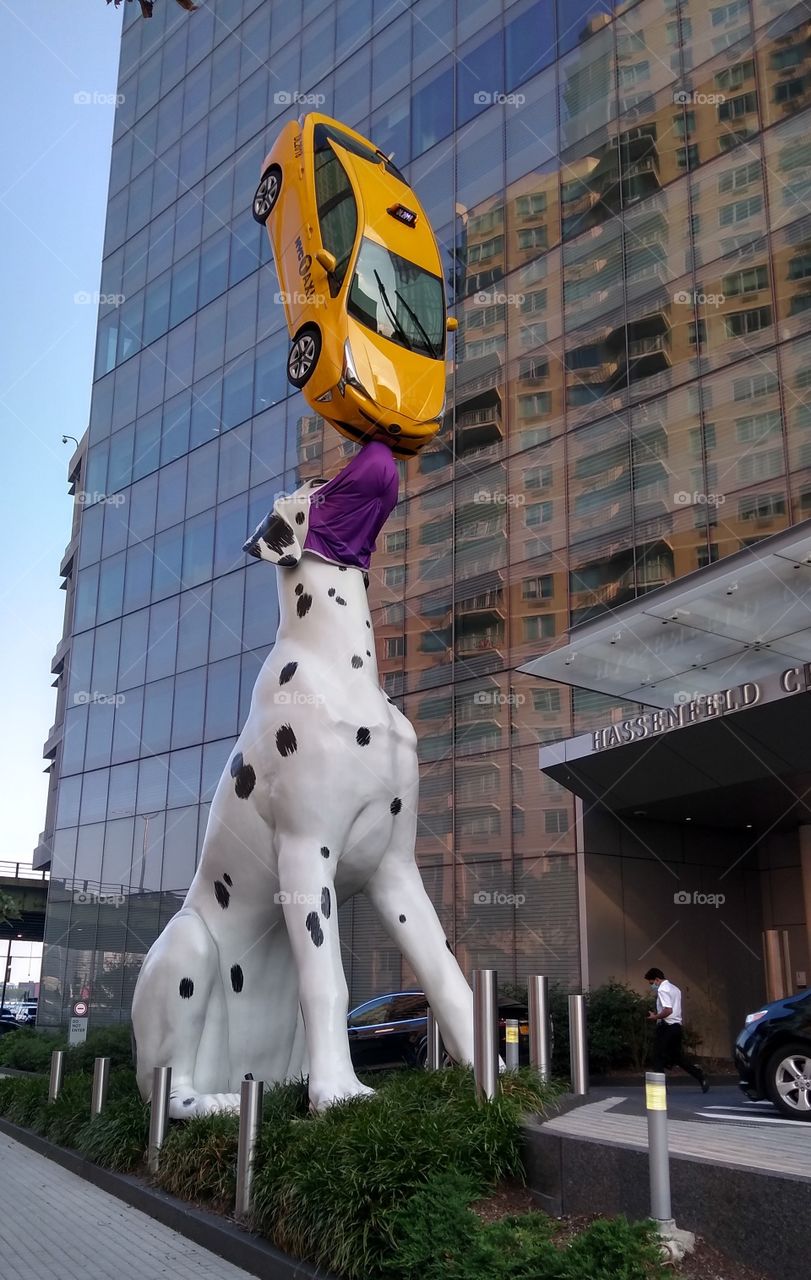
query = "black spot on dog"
{"x": 187, "y": 1102}
{"x": 366, "y": 581}
{"x": 245, "y": 781}
{"x": 236, "y": 764}
{"x": 299, "y": 588}
{"x": 368, "y": 623}
{"x": 324, "y": 851}
{"x": 287, "y": 672}
{"x": 314, "y": 928}
{"x": 357, "y": 661}
{"x": 395, "y": 806}
{"x": 277, "y": 534}
{"x": 326, "y": 903}
{"x": 299, "y": 517}
{"x": 303, "y": 604}
{"x": 287, "y": 562}
{"x": 368, "y": 653}
{"x": 227, "y": 879}
{"x": 331, "y": 592}
{"x": 342, "y": 568}
{"x": 402, "y": 919}
{"x": 221, "y": 894}
{"x": 448, "y": 945}
{"x": 363, "y": 737}
{"x": 286, "y": 740}
{"x": 248, "y": 1075}
{"x": 237, "y": 978}
{"x": 186, "y": 988}
{"x": 340, "y": 600}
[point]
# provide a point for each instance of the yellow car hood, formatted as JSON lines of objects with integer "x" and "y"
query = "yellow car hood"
{"x": 397, "y": 379}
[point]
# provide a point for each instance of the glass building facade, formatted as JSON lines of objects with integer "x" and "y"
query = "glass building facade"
{"x": 622, "y": 196}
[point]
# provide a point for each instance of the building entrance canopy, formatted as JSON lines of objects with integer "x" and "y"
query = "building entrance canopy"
{"x": 742, "y": 619}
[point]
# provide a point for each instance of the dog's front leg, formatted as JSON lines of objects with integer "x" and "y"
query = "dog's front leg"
{"x": 307, "y": 892}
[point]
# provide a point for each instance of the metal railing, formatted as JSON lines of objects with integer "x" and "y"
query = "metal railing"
{"x": 22, "y": 871}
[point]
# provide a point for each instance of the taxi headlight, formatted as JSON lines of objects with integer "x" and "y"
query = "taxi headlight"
{"x": 755, "y": 1017}
{"x": 349, "y": 376}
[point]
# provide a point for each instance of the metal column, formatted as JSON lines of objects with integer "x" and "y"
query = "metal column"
{"x": 485, "y": 1033}
{"x": 57, "y": 1074}
{"x": 578, "y": 1051}
{"x": 658, "y": 1158}
{"x": 158, "y": 1114}
{"x": 435, "y": 1052}
{"x": 101, "y": 1079}
{"x": 539, "y": 1047}
{"x": 250, "y": 1118}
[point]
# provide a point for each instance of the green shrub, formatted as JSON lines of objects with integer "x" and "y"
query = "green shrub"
{"x": 619, "y": 1034}
{"x": 25, "y": 1100}
{"x": 615, "y": 1249}
{"x": 28, "y": 1050}
{"x": 198, "y": 1160}
{"x": 61, "y": 1121}
{"x": 114, "y": 1043}
{"x": 117, "y": 1139}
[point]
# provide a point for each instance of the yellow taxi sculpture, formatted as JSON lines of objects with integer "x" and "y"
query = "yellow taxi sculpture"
{"x": 360, "y": 278}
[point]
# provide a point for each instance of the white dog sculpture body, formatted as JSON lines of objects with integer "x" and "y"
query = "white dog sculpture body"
{"x": 317, "y": 802}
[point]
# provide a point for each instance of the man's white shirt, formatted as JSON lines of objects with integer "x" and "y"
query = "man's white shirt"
{"x": 668, "y": 996}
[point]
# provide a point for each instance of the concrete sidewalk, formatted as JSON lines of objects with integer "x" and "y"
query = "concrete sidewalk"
{"x": 56, "y": 1226}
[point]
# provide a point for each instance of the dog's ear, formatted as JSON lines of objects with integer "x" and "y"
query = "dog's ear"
{"x": 275, "y": 540}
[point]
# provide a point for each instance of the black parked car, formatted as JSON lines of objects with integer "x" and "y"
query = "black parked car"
{"x": 391, "y": 1031}
{"x": 773, "y": 1055}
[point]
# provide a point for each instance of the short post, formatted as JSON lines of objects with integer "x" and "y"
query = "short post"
{"x": 101, "y": 1079}
{"x": 511, "y": 1044}
{"x": 578, "y": 1051}
{"x": 250, "y": 1118}
{"x": 158, "y": 1114}
{"x": 658, "y": 1156}
{"x": 57, "y": 1074}
{"x": 485, "y": 1034}
{"x": 539, "y": 1053}
{"x": 434, "y": 1055}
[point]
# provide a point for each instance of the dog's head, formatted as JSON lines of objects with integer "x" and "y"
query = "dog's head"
{"x": 281, "y": 535}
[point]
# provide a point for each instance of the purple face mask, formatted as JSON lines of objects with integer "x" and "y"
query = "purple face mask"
{"x": 347, "y": 513}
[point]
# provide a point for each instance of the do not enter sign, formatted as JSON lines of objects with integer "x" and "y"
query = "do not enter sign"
{"x": 80, "y": 1009}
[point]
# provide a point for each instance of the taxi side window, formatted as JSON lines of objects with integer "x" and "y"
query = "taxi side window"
{"x": 337, "y": 212}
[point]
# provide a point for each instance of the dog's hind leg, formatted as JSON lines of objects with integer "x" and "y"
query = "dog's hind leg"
{"x": 174, "y": 1011}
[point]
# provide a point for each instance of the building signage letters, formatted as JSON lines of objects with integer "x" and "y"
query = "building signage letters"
{"x": 650, "y": 724}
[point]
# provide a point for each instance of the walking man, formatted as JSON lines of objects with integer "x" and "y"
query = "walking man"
{"x": 667, "y": 1037}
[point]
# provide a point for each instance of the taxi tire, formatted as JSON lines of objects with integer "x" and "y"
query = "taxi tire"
{"x": 272, "y": 197}
{"x": 774, "y": 1065}
{"x": 306, "y": 344}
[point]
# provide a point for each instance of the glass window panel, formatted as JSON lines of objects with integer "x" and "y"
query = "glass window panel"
{"x": 89, "y": 850}
{"x": 215, "y": 755}
{"x": 115, "y": 877}
{"x": 179, "y": 847}
{"x": 432, "y": 32}
{"x": 105, "y": 659}
{"x": 222, "y": 699}
{"x": 84, "y": 607}
{"x": 231, "y": 532}
{"x": 67, "y": 807}
{"x": 222, "y": 127}
{"x": 157, "y": 719}
{"x": 530, "y": 41}
{"x": 198, "y": 549}
{"x": 136, "y": 252}
{"x": 184, "y": 289}
{"x": 153, "y": 779}
{"x": 111, "y": 588}
{"x": 132, "y": 659}
{"x": 352, "y": 88}
{"x": 391, "y": 60}
{"x": 237, "y": 392}
{"x": 210, "y": 341}
{"x": 214, "y": 266}
{"x": 252, "y": 104}
{"x": 188, "y": 225}
{"x": 161, "y": 242}
{"x": 577, "y": 19}
{"x": 190, "y": 694}
{"x": 146, "y": 453}
{"x": 162, "y": 639}
{"x": 184, "y": 777}
{"x": 94, "y": 796}
{"x": 123, "y": 786}
{"x": 100, "y": 729}
{"x": 271, "y": 380}
{"x": 241, "y": 318}
{"x": 391, "y": 128}
{"x": 130, "y": 326}
{"x": 192, "y": 631}
{"x": 219, "y": 188}
{"x": 261, "y": 615}
{"x": 92, "y": 521}
{"x": 176, "y": 422}
{"x": 226, "y": 617}
{"x": 267, "y": 443}
{"x": 205, "y": 409}
{"x": 125, "y": 398}
{"x": 151, "y": 376}
{"x": 101, "y": 410}
{"x": 120, "y": 469}
{"x": 201, "y": 490}
{"x": 127, "y": 727}
{"x": 142, "y": 505}
{"x": 116, "y": 522}
{"x": 81, "y": 659}
{"x": 75, "y": 734}
{"x": 235, "y": 451}
{"x": 168, "y": 557}
{"x": 156, "y": 308}
{"x": 171, "y": 494}
{"x": 193, "y": 157}
{"x": 479, "y": 77}
{"x": 246, "y": 246}
{"x": 195, "y": 94}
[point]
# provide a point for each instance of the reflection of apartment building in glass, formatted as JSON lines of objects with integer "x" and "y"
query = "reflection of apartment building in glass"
{"x": 621, "y": 194}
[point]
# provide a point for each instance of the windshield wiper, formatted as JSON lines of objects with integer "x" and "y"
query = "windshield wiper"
{"x": 391, "y": 313}
{"x": 429, "y": 344}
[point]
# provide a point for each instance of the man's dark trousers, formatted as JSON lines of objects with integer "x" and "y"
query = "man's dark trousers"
{"x": 668, "y": 1051}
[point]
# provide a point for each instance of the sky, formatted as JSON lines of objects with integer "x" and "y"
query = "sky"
{"x": 54, "y": 165}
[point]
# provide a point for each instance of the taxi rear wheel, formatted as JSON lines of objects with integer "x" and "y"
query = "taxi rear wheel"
{"x": 303, "y": 356}
{"x": 267, "y": 193}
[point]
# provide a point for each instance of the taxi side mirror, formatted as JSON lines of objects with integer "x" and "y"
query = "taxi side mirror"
{"x": 451, "y": 324}
{"x": 327, "y": 260}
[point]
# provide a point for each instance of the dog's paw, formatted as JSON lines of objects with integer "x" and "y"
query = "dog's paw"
{"x": 324, "y": 1093}
{"x": 185, "y": 1104}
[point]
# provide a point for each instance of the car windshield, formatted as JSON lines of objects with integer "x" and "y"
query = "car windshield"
{"x": 324, "y": 133}
{"x": 393, "y": 297}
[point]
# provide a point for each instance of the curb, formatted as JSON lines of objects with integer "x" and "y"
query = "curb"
{"x": 211, "y": 1231}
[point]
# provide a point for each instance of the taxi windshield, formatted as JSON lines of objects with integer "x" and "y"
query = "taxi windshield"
{"x": 398, "y": 300}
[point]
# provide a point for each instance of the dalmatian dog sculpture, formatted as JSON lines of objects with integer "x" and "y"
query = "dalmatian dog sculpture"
{"x": 317, "y": 802}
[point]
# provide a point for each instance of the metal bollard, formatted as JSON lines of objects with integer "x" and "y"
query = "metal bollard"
{"x": 57, "y": 1074}
{"x": 658, "y": 1157}
{"x": 158, "y": 1114}
{"x": 539, "y": 1052}
{"x": 511, "y": 1044}
{"x": 101, "y": 1079}
{"x": 435, "y": 1053}
{"x": 578, "y": 1051}
{"x": 485, "y": 1034}
{"x": 250, "y": 1118}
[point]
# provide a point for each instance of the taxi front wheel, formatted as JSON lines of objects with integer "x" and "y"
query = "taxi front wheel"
{"x": 304, "y": 355}
{"x": 267, "y": 193}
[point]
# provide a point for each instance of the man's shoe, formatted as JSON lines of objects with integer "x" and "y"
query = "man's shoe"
{"x": 705, "y": 1084}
